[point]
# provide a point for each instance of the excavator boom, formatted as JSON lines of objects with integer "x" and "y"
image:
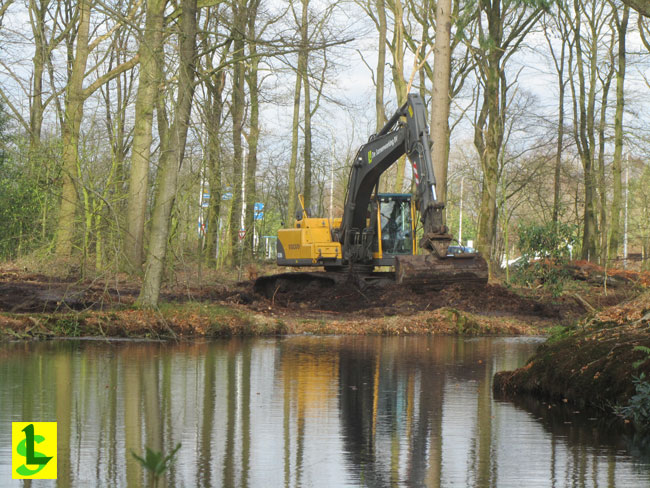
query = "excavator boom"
{"x": 379, "y": 229}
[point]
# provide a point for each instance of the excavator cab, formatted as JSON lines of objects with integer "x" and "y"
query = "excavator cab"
{"x": 396, "y": 234}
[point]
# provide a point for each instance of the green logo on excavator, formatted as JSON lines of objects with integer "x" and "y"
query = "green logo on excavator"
{"x": 369, "y": 157}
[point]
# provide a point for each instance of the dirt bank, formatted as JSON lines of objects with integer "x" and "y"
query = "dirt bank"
{"x": 38, "y": 305}
{"x": 591, "y": 364}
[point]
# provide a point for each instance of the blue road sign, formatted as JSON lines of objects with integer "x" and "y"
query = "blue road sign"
{"x": 258, "y": 211}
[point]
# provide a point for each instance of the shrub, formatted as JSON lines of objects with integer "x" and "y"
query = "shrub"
{"x": 638, "y": 408}
{"x": 545, "y": 249}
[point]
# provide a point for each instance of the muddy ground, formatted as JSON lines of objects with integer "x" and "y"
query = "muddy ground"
{"x": 28, "y": 293}
{"x": 591, "y": 364}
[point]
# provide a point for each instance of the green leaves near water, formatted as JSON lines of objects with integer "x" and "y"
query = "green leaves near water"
{"x": 638, "y": 408}
{"x": 156, "y": 462}
{"x": 644, "y": 349}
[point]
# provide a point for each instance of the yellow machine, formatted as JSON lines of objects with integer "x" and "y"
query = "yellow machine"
{"x": 310, "y": 242}
{"x": 378, "y": 229}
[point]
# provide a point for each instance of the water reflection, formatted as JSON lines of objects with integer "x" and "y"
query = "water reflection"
{"x": 302, "y": 411}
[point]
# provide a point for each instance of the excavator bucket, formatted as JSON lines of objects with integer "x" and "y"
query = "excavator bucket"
{"x": 429, "y": 271}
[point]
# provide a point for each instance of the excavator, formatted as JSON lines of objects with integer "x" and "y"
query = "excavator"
{"x": 378, "y": 230}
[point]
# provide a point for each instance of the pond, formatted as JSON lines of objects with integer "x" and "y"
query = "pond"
{"x": 303, "y": 411}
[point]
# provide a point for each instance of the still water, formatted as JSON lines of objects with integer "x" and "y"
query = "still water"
{"x": 302, "y": 411}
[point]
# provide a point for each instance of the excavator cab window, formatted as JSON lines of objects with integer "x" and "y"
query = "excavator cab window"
{"x": 396, "y": 224}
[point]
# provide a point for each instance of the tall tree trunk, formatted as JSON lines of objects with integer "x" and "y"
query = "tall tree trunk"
{"x": 491, "y": 146}
{"x": 215, "y": 83}
{"x": 237, "y": 112}
{"x": 293, "y": 163}
{"x": 584, "y": 113}
{"x": 74, "y": 101}
{"x": 75, "y": 97}
{"x": 253, "y": 131}
{"x": 172, "y": 143}
{"x": 602, "y": 183}
{"x": 560, "y": 20}
{"x": 397, "y": 49}
{"x": 557, "y": 182}
{"x": 295, "y": 125}
{"x": 214, "y": 122}
{"x": 304, "y": 34}
{"x": 505, "y": 31}
{"x": 150, "y": 56}
{"x": 37, "y": 11}
{"x": 440, "y": 98}
{"x": 617, "y": 167}
{"x": 307, "y": 146}
{"x": 380, "y": 109}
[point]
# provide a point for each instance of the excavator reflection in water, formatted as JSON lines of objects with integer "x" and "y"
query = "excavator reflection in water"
{"x": 379, "y": 229}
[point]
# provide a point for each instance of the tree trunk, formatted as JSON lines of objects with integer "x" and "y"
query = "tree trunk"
{"x": 490, "y": 153}
{"x": 307, "y": 146}
{"x": 237, "y": 112}
{"x": 76, "y": 94}
{"x": 295, "y": 125}
{"x": 617, "y": 166}
{"x": 397, "y": 50}
{"x": 214, "y": 115}
{"x": 38, "y": 11}
{"x": 559, "y": 67}
{"x": 253, "y": 133}
{"x": 380, "y": 109}
{"x": 172, "y": 143}
{"x": 440, "y": 98}
{"x": 70, "y": 135}
{"x": 304, "y": 34}
{"x": 149, "y": 84}
{"x": 584, "y": 115}
{"x": 602, "y": 184}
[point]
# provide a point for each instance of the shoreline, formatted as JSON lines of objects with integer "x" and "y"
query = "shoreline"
{"x": 592, "y": 364}
{"x": 197, "y": 320}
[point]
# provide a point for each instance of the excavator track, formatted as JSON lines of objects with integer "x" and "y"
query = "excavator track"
{"x": 422, "y": 271}
{"x": 313, "y": 282}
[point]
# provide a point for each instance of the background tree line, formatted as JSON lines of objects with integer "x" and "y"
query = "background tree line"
{"x": 139, "y": 135}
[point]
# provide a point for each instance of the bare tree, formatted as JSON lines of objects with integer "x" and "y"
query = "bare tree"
{"x": 594, "y": 15}
{"x": 76, "y": 95}
{"x": 172, "y": 141}
{"x": 301, "y": 69}
{"x": 621, "y": 20}
{"x": 508, "y": 23}
{"x": 237, "y": 109}
{"x": 558, "y": 25}
{"x": 150, "y": 53}
{"x": 440, "y": 99}
{"x": 253, "y": 82}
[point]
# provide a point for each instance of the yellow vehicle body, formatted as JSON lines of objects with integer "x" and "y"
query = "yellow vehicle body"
{"x": 310, "y": 242}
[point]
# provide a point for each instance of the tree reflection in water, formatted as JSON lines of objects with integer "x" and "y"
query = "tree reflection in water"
{"x": 304, "y": 411}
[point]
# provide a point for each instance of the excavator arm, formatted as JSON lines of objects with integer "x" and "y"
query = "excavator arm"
{"x": 407, "y": 133}
{"x": 348, "y": 244}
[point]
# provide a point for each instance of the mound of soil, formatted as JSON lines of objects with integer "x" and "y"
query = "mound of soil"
{"x": 391, "y": 299}
{"x": 591, "y": 364}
